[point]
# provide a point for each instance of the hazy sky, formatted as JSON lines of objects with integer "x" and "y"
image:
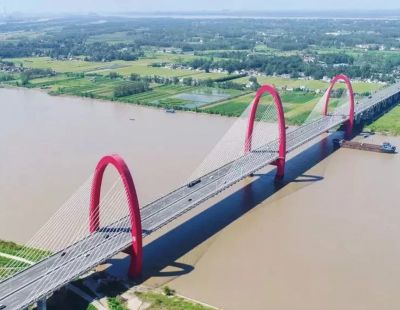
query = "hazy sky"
{"x": 38, "y": 6}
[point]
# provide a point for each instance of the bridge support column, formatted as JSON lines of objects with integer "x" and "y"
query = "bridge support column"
{"x": 42, "y": 304}
{"x": 280, "y": 165}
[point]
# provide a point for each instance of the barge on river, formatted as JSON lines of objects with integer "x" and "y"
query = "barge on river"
{"x": 385, "y": 147}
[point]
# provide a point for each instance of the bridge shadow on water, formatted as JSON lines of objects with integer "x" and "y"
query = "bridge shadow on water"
{"x": 168, "y": 248}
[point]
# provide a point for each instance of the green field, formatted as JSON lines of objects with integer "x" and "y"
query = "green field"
{"x": 103, "y": 87}
{"x": 142, "y": 66}
{"x": 388, "y": 124}
{"x": 159, "y": 301}
{"x": 9, "y": 266}
{"x": 177, "y": 96}
{"x": 297, "y": 105}
{"x": 14, "y": 249}
{"x": 92, "y": 79}
{"x": 279, "y": 82}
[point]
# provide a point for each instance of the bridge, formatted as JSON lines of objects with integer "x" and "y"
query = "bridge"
{"x": 35, "y": 283}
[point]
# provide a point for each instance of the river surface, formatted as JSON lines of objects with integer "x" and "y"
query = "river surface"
{"x": 325, "y": 238}
{"x": 50, "y": 145}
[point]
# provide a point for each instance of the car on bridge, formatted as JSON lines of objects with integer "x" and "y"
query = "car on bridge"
{"x": 194, "y": 183}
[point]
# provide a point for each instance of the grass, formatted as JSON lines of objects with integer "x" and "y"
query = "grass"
{"x": 116, "y": 303}
{"x": 297, "y": 106}
{"x": 162, "y": 302}
{"x": 125, "y": 68}
{"x": 9, "y": 267}
{"x": 4, "y": 262}
{"x": 61, "y": 66}
{"x": 298, "y": 97}
{"x": 14, "y": 249}
{"x": 279, "y": 82}
{"x": 388, "y": 124}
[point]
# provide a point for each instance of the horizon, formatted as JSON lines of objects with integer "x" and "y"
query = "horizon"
{"x": 177, "y": 6}
{"x": 276, "y": 13}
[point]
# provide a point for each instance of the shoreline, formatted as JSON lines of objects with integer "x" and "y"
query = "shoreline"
{"x": 156, "y": 108}
{"x": 153, "y": 107}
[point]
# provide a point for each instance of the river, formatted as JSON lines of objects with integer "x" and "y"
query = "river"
{"x": 325, "y": 238}
{"x": 51, "y": 145}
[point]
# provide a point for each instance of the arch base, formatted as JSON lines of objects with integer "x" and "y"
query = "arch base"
{"x": 280, "y": 168}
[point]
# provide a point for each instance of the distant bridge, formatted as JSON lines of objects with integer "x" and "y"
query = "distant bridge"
{"x": 26, "y": 287}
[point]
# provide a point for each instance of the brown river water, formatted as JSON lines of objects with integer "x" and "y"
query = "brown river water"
{"x": 325, "y": 238}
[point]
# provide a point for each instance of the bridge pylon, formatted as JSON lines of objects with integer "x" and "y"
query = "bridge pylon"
{"x": 346, "y": 79}
{"x": 280, "y": 162}
{"x": 135, "y": 268}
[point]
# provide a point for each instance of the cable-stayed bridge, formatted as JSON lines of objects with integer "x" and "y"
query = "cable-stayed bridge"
{"x": 33, "y": 284}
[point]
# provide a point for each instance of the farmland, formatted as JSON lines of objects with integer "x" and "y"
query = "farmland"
{"x": 125, "y": 68}
{"x": 213, "y": 67}
{"x": 359, "y": 87}
{"x": 93, "y": 79}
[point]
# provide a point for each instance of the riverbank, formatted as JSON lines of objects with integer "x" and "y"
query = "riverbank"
{"x": 209, "y": 98}
{"x": 388, "y": 124}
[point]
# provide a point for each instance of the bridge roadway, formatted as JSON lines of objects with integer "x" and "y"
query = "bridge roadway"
{"x": 40, "y": 280}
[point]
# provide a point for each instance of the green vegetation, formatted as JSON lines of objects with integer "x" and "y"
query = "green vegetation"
{"x": 388, "y": 124}
{"x": 5, "y": 262}
{"x": 168, "y": 291}
{"x": 212, "y": 67}
{"x": 297, "y": 106}
{"x": 9, "y": 266}
{"x": 116, "y": 303}
{"x": 280, "y": 82}
{"x": 168, "y": 302}
{"x": 30, "y": 254}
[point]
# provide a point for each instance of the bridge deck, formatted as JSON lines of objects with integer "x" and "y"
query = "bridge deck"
{"x": 59, "y": 269}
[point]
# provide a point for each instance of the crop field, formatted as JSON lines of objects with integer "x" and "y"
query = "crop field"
{"x": 297, "y": 106}
{"x": 187, "y": 97}
{"x": 60, "y": 66}
{"x": 88, "y": 86}
{"x": 97, "y": 83}
{"x": 158, "y": 95}
{"x": 142, "y": 66}
{"x": 359, "y": 87}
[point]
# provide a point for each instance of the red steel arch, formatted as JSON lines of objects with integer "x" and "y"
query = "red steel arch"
{"x": 280, "y": 163}
{"x": 346, "y": 79}
{"x": 135, "y": 268}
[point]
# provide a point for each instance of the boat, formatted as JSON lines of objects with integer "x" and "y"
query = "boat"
{"x": 170, "y": 110}
{"x": 385, "y": 147}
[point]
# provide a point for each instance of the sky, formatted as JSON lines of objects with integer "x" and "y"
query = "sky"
{"x": 80, "y": 6}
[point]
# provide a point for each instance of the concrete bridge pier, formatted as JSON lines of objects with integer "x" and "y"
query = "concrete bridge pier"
{"x": 42, "y": 304}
